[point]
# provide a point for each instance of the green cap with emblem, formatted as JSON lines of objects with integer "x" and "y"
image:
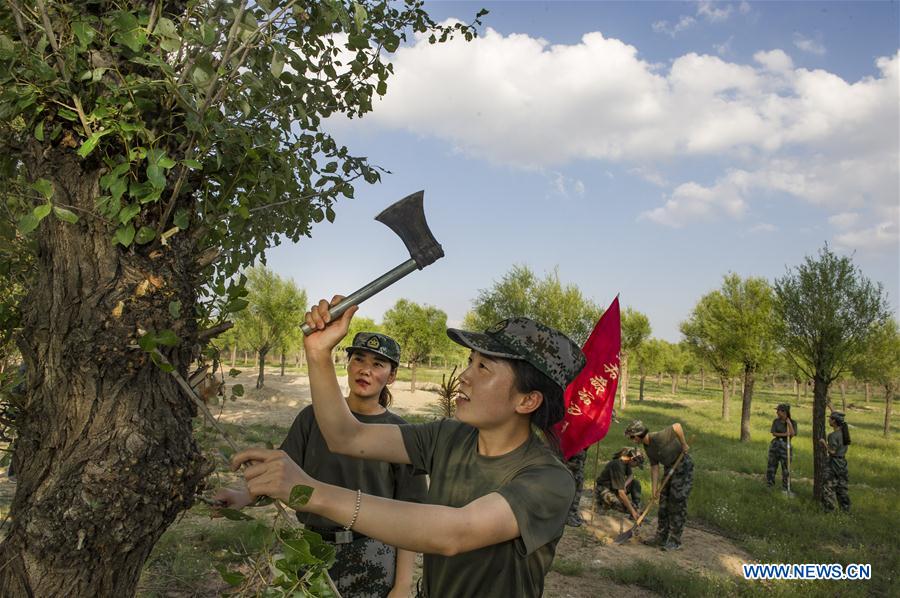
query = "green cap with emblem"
{"x": 549, "y": 350}
{"x": 375, "y": 342}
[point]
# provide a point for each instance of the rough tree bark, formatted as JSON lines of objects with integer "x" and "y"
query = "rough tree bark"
{"x": 261, "y": 376}
{"x": 105, "y": 456}
{"x": 643, "y": 379}
{"x": 747, "y": 398}
{"x": 726, "y": 398}
{"x": 820, "y": 456}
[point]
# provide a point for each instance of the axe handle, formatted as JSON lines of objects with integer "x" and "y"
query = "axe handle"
{"x": 374, "y": 287}
{"x": 661, "y": 486}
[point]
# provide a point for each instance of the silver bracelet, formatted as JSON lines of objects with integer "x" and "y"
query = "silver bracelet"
{"x": 355, "y": 511}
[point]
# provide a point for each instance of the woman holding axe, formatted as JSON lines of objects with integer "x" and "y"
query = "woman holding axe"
{"x": 666, "y": 446}
{"x": 498, "y": 497}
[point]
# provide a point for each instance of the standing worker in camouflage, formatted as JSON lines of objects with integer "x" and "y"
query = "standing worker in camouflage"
{"x": 616, "y": 487}
{"x": 364, "y": 567}
{"x": 834, "y": 492}
{"x": 576, "y": 466}
{"x": 783, "y": 428}
{"x": 664, "y": 447}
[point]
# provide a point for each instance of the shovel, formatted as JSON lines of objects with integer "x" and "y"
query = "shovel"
{"x": 625, "y": 536}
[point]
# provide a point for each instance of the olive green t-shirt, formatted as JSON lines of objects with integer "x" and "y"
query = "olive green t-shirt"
{"x": 535, "y": 483}
{"x": 780, "y": 427}
{"x": 836, "y": 444}
{"x": 307, "y": 447}
{"x": 664, "y": 447}
{"x": 614, "y": 475}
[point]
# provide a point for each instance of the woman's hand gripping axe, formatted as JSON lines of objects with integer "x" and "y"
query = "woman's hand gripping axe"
{"x": 406, "y": 218}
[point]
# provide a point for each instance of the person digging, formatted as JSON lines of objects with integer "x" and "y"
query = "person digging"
{"x": 616, "y": 488}
{"x": 666, "y": 446}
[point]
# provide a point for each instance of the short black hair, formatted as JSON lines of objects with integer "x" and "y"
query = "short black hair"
{"x": 528, "y": 378}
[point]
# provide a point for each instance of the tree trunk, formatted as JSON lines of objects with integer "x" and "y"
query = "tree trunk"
{"x": 283, "y": 358}
{"x": 641, "y": 396}
{"x": 233, "y": 357}
{"x": 745, "y": 403}
{"x": 105, "y": 459}
{"x": 261, "y": 376}
{"x": 674, "y": 383}
{"x": 659, "y": 378}
{"x": 843, "y": 396}
{"x": 246, "y": 358}
{"x": 888, "y": 404}
{"x": 797, "y": 390}
{"x": 412, "y": 377}
{"x": 623, "y": 382}
{"x": 687, "y": 379}
{"x": 726, "y": 398}
{"x": 820, "y": 456}
{"x": 774, "y": 382}
{"x": 702, "y": 379}
{"x": 867, "y": 393}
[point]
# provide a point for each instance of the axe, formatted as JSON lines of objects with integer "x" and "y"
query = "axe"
{"x": 406, "y": 218}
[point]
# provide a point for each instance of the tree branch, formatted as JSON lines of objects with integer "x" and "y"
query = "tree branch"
{"x": 51, "y": 36}
{"x": 214, "y": 331}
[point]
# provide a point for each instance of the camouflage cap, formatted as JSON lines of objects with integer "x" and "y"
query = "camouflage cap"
{"x": 837, "y": 416}
{"x": 375, "y": 342}
{"x": 635, "y": 428}
{"x": 550, "y": 351}
{"x": 783, "y": 407}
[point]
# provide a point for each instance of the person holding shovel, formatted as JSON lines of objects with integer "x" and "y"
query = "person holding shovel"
{"x": 835, "y": 490}
{"x": 498, "y": 496}
{"x": 364, "y": 567}
{"x": 784, "y": 428}
{"x": 616, "y": 488}
{"x": 666, "y": 446}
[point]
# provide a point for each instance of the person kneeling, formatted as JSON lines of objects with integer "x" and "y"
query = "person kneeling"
{"x": 616, "y": 488}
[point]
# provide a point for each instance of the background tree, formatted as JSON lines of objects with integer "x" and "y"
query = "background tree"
{"x": 160, "y": 147}
{"x": 635, "y": 330}
{"x": 648, "y": 360}
{"x": 547, "y": 300}
{"x": 418, "y": 329}
{"x": 880, "y": 362}
{"x": 707, "y": 336}
{"x": 274, "y": 315}
{"x": 826, "y": 308}
{"x": 673, "y": 360}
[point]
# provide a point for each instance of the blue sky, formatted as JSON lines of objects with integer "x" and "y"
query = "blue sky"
{"x": 639, "y": 148}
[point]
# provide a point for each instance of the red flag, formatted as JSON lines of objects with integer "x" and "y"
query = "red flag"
{"x": 590, "y": 397}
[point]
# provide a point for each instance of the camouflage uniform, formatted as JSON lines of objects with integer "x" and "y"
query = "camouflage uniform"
{"x": 364, "y": 568}
{"x": 778, "y": 449}
{"x": 576, "y": 466}
{"x": 673, "y": 501}
{"x": 835, "y": 490}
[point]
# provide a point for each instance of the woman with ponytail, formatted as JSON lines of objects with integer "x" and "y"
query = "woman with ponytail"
{"x": 834, "y": 492}
{"x": 783, "y": 429}
{"x": 364, "y": 566}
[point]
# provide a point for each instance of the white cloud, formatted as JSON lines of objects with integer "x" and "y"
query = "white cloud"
{"x": 564, "y": 186}
{"x": 883, "y": 235}
{"x": 714, "y": 12}
{"x": 744, "y": 7}
{"x": 684, "y": 23}
{"x": 844, "y": 219}
{"x": 762, "y": 227}
{"x": 724, "y": 48}
{"x": 809, "y": 45}
{"x": 520, "y": 101}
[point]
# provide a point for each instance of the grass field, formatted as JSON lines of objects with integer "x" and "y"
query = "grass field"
{"x": 729, "y": 496}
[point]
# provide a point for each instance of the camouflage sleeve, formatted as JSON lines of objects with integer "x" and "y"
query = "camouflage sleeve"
{"x": 540, "y": 498}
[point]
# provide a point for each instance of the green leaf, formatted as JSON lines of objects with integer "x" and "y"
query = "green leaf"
{"x": 234, "y": 515}
{"x": 359, "y": 16}
{"x": 147, "y": 342}
{"x": 277, "y": 65}
{"x": 125, "y": 234}
{"x": 156, "y": 176}
{"x": 236, "y": 305}
{"x": 232, "y": 373}
{"x": 84, "y": 32}
{"x": 42, "y": 211}
{"x": 39, "y": 131}
{"x": 237, "y": 390}
{"x": 192, "y": 164}
{"x": 232, "y": 578}
{"x": 28, "y": 223}
{"x": 300, "y": 495}
{"x": 167, "y": 338}
{"x": 162, "y": 364}
{"x": 65, "y": 215}
{"x": 91, "y": 142}
{"x": 181, "y": 219}
{"x": 67, "y": 114}
{"x": 166, "y": 162}
{"x": 44, "y": 187}
{"x": 175, "y": 309}
{"x": 144, "y": 235}
{"x": 128, "y": 212}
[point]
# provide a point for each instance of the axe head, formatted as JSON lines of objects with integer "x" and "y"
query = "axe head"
{"x": 407, "y": 218}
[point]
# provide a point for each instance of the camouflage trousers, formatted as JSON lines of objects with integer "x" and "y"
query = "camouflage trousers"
{"x": 835, "y": 489}
{"x": 364, "y": 568}
{"x": 673, "y": 501}
{"x": 576, "y": 466}
{"x": 609, "y": 499}
{"x": 778, "y": 455}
